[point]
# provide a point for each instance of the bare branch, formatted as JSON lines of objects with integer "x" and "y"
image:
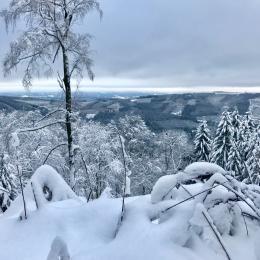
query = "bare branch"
{"x": 50, "y": 114}
{"x": 40, "y": 127}
{"x": 52, "y": 150}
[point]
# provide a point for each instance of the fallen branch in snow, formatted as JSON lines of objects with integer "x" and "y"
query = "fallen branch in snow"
{"x": 185, "y": 190}
{"x": 216, "y": 233}
{"x": 247, "y": 233}
{"x": 243, "y": 199}
{"x": 51, "y": 151}
{"x": 191, "y": 197}
{"x": 250, "y": 216}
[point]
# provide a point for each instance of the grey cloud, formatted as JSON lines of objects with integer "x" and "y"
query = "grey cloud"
{"x": 182, "y": 42}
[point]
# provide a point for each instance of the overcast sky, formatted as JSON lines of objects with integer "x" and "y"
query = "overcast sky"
{"x": 172, "y": 43}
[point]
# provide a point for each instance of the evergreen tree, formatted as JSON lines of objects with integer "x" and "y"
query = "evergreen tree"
{"x": 236, "y": 123}
{"x": 255, "y": 168}
{"x": 250, "y": 122}
{"x": 202, "y": 142}
{"x": 253, "y": 159}
{"x": 7, "y": 186}
{"x": 235, "y": 164}
{"x": 247, "y": 144}
{"x": 223, "y": 141}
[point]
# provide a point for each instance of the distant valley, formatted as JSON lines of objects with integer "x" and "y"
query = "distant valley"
{"x": 160, "y": 112}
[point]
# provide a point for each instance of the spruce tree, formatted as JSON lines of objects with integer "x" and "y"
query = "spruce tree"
{"x": 236, "y": 123}
{"x": 7, "y": 186}
{"x": 235, "y": 164}
{"x": 223, "y": 141}
{"x": 247, "y": 143}
{"x": 250, "y": 122}
{"x": 202, "y": 142}
{"x": 255, "y": 168}
{"x": 253, "y": 159}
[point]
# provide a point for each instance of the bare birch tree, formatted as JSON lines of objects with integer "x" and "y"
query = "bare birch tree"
{"x": 50, "y": 37}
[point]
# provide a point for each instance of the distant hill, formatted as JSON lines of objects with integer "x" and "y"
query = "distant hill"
{"x": 172, "y": 111}
{"x": 10, "y": 104}
{"x": 160, "y": 112}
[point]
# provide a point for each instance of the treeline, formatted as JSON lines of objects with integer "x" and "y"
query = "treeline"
{"x": 26, "y": 144}
{"x": 235, "y": 145}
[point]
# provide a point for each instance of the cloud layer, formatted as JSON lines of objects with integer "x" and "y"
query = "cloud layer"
{"x": 171, "y": 43}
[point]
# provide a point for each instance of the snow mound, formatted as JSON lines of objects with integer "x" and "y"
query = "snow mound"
{"x": 163, "y": 188}
{"x": 49, "y": 186}
{"x": 203, "y": 170}
{"x": 45, "y": 186}
{"x": 166, "y": 187}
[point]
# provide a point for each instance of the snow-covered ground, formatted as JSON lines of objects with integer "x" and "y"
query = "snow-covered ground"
{"x": 89, "y": 229}
{"x": 148, "y": 230}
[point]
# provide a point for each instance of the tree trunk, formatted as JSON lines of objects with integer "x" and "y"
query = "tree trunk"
{"x": 68, "y": 100}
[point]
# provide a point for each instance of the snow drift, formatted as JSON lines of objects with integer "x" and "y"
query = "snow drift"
{"x": 213, "y": 218}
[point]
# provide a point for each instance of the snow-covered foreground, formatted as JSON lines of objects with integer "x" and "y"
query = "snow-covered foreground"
{"x": 89, "y": 229}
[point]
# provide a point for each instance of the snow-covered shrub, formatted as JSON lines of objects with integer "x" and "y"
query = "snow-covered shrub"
{"x": 7, "y": 185}
{"x": 201, "y": 171}
{"x": 219, "y": 203}
{"x": 166, "y": 187}
{"x": 49, "y": 186}
{"x": 45, "y": 186}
